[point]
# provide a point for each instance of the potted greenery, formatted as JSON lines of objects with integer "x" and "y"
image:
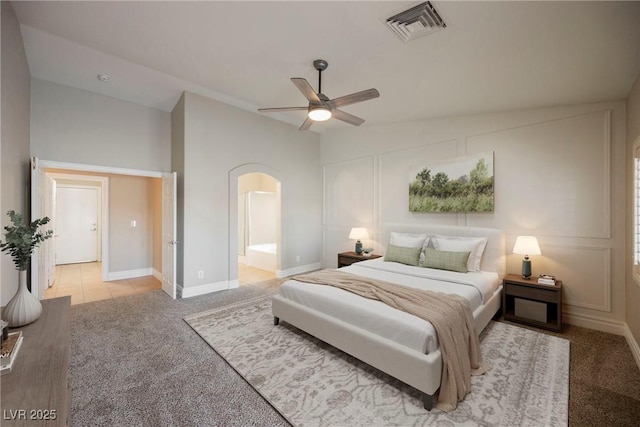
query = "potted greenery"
{"x": 20, "y": 240}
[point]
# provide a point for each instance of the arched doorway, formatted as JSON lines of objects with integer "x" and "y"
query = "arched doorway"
{"x": 254, "y": 224}
{"x": 258, "y": 212}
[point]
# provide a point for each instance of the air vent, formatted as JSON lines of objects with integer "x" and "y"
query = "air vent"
{"x": 415, "y": 22}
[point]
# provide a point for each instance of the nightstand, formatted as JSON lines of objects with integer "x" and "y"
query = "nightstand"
{"x": 348, "y": 258}
{"x": 525, "y": 301}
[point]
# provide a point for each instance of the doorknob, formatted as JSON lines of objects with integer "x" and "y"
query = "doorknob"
{"x": 173, "y": 242}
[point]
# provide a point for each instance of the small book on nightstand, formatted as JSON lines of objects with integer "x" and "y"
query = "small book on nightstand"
{"x": 10, "y": 348}
{"x": 546, "y": 279}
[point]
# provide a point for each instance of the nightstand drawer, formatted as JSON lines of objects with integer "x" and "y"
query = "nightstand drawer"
{"x": 531, "y": 293}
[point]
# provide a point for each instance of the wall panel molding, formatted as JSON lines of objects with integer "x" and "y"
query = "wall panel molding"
{"x": 581, "y": 284}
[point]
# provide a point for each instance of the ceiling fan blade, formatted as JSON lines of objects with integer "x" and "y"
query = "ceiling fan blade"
{"x": 275, "y": 110}
{"x": 306, "y": 124}
{"x": 364, "y": 95}
{"x": 306, "y": 89}
{"x": 346, "y": 117}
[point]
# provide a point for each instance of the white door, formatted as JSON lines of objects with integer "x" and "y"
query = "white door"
{"x": 76, "y": 224}
{"x": 169, "y": 243}
{"x": 38, "y": 271}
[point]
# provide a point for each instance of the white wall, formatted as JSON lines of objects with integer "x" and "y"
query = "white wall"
{"x": 558, "y": 176}
{"x": 14, "y": 151}
{"x": 78, "y": 126}
{"x": 219, "y": 141}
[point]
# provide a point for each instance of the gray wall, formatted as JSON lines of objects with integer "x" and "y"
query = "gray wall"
{"x": 558, "y": 176}
{"x": 632, "y": 290}
{"x": 78, "y": 126}
{"x": 177, "y": 166}
{"x": 155, "y": 207}
{"x": 14, "y": 152}
{"x": 131, "y": 198}
{"x": 218, "y": 139}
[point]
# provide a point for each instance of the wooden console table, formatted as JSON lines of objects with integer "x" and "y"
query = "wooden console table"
{"x": 36, "y": 391}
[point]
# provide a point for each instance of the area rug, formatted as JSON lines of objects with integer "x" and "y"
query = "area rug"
{"x": 313, "y": 384}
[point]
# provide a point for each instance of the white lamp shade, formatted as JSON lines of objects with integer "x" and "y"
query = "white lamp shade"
{"x": 526, "y": 245}
{"x": 358, "y": 233}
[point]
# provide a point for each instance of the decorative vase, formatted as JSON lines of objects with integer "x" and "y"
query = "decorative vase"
{"x": 24, "y": 307}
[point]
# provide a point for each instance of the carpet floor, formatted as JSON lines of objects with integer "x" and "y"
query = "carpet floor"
{"x": 313, "y": 384}
{"x": 134, "y": 361}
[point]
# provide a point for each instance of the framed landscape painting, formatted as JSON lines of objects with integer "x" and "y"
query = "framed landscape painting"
{"x": 461, "y": 184}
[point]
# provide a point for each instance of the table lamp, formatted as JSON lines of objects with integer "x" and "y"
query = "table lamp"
{"x": 358, "y": 234}
{"x": 526, "y": 245}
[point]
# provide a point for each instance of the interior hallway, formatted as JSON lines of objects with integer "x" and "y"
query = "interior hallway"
{"x": 83, "y": 282}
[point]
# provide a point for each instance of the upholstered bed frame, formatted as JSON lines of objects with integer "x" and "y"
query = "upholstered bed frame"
{"x": 419, "y": 370}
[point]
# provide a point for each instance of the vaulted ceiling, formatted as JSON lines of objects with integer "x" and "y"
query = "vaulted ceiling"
{"x": 493, "y": 56}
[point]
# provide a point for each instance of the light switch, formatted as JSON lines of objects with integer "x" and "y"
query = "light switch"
{"x": 133, "y": 223}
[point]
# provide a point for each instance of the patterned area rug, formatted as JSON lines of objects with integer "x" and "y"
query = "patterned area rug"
{"x": 312, "y": 384}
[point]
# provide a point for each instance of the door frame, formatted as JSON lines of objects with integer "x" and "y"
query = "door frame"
{"x": 103, "y": 214}
{"x": 38, "y": 205}
{"x": 234, "y": 174}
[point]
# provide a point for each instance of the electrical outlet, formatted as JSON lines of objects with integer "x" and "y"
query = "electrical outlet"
{"x": 200, "y": 274}
{"x": 297, "y": 258}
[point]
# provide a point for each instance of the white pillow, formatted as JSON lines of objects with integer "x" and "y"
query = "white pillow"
{"x": 408, "y": 240}
{"x": 474, "y": 245}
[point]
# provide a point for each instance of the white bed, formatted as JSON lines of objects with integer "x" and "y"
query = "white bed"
{"x": 400, "y": 344}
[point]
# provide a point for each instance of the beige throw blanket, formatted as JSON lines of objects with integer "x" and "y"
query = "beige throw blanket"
{"x": 450, "y": 315}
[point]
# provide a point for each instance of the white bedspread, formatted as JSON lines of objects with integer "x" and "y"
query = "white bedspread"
{"x": 379, "y": 318}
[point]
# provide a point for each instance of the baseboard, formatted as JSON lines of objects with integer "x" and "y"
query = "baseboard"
{"x": 193, "y": 291}
{"x": 129, "y": 274}
{"x": 598, "y": 324}
{"x": 298, "y": 270}
{"x": 633, "y": 344}
{"x": 234, "y": 284}
{"x": 156, "y": 274}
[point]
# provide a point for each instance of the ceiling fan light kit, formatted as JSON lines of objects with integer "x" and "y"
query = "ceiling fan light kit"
{"x": 322, "y": 108}
{"x": 319, "y": 114}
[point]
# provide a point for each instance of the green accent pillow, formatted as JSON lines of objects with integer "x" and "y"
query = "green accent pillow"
{"x": 445, "y": 260}
{"x": 409, "y": 256}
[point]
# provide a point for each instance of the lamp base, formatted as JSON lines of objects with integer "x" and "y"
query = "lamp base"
{"x": 358, "y": 247}
{"x": 526, "y": 268}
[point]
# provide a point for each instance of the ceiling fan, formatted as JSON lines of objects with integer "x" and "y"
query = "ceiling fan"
{"x": 322, "y": 108}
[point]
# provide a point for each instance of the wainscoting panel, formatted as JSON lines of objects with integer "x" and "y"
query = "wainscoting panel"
{"x": 348, "y": 192}
{"x": 559, "y": 175}
{"x": 585, "y": 272}
{"x": 551, "y": 178}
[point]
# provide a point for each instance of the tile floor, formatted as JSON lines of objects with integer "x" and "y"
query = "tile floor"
{"x": 83, "y": 282}
{"x": 248, "y": 275}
